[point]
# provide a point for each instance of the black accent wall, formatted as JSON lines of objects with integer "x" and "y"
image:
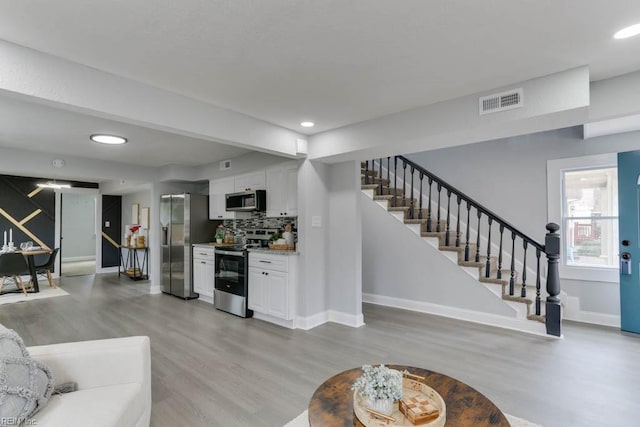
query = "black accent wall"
{"x": 112, "y": 213}
{"x": 16, "y": 206}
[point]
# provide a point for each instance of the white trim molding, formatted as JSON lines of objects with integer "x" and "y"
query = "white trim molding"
{"x": 512, "y": 323}
{"x": 554, "y": 211}
{"x": 310, "y": 322}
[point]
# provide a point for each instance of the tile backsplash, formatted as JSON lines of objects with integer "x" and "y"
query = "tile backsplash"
{"x": 260, "y": 220}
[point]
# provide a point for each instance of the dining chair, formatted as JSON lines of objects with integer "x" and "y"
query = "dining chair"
{"x": 47, "y": 268}
{"x": 12, "y": 266}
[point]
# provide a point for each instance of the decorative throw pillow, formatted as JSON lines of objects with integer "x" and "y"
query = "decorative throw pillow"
{"x": 25, "y": 384}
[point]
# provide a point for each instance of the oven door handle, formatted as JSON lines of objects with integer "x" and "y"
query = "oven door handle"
{"x": 232, "y": 253}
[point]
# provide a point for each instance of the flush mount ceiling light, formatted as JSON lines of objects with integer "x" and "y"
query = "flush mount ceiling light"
{"x": 625, "y": 33}
{"x": 108, "y": 139}
{"x": 53, "y": 185}
{"x": 307, "y": 124}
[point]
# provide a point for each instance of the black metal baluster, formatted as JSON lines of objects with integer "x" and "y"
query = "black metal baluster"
{"x": 446, "y": 236}
{"x": 499, "y": 275}
{"x": 411, "y": 198}
{"x": 458, "y": 225}
{"x": 523, "y": 292}
{"x": 404, "y": 183}
{"x": 438, "y": 228}
{"x": 388, "y": 180}
{"x": 466, "y": 246}
{"x": 366, "y": 172}
{"x": 487, "y": 272}
{"x": 429, "y": 208}
{"x": 478, "y": 238}
{"x": 395, "y": 181}
{"x": 420, "y": 208}
{"x": 538, "y": 282}
{"x": 512, "y": 281}
{"x": 380, "y": 177}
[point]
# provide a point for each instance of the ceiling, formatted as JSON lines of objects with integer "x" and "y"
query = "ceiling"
{"x": 334, "y": 62}
{"x": 41, "y": 128}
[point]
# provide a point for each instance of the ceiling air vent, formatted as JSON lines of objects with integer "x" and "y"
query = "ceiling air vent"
{"x": 501, "y": 101}
{"x": 225, "y": 164}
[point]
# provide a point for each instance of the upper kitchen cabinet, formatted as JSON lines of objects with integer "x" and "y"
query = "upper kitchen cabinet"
{"x": 218, "y": 189}
{"x": 282, "y": 190}
{"x": 249, "y": 181}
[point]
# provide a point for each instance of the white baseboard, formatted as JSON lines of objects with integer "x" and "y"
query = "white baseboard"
{"x": 312, "y": 321}
{"x": 347, "y": 319}
{"x": 280, "y": 322}
{"x": 512, "y": 323}
{"x": 352, "y": 320}
{"x": 78, "y": 258}
{"x": 101, "y": 270}
{"x": 573, "y": 312}
{"x": 157, "y": 289}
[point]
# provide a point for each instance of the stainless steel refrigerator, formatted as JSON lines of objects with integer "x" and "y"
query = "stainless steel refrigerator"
{"x": 184, "y": 220}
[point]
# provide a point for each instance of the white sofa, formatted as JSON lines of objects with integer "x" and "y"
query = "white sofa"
{"x": 113, "y": 378}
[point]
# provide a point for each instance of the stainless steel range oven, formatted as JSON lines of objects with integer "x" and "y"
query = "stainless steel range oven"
{"x": 230, "y": 293}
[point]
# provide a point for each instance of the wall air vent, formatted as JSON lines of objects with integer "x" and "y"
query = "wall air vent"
{"x": 225, "y": 165}
{"x": 501, "y": 101}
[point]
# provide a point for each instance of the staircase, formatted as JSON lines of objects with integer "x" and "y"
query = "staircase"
{"x": 490, "y": 249}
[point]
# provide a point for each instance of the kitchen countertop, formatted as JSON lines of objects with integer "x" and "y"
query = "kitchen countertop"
{"x": 213, "y": 245}
{"x": 273, "y": 251}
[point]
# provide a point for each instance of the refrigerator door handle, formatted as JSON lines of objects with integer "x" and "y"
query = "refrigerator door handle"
{"x": 165, "y": 236}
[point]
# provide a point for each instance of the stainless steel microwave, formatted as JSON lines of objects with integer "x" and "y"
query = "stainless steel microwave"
{"x": 247, "y": 201}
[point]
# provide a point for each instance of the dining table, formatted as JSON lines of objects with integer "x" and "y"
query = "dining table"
{"x": 31, "y": 263}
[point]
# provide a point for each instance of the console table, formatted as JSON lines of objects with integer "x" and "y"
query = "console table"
{"x": 332, "y": 402}
{"x": 130, "y": 264}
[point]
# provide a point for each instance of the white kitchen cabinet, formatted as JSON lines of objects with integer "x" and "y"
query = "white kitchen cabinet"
{"x": 272, "y": 287}
{"x": 249, "y": 181}
{"x": 218, "y": 189}
{"x": 204, "y": 272}
{"x": 257, "y": 290}
{"x": 282, "y": 190}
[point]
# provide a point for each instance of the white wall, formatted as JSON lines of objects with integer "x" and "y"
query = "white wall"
{"x": 550, "y": 102}
{"x": 78, "y": 221}
{"x": 398, "y": 263}
{"x": 313, "y": 201}
{"x": 344, "y": 286}
{"x": 142, "y": 198}
{"x": 509, "y": 176}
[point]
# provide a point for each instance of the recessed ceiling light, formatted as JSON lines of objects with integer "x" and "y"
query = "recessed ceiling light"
{"x": 108, "y": 139}
{"x": 307, "y": 124}
{"x": 630, "y": 31}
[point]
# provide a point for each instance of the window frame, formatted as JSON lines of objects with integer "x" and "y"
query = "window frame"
{"x": 555, "y": 202}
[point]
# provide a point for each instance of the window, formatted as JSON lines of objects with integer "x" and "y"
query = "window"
{"x": 583, "y": 200}
{"x": 590, "y": 217}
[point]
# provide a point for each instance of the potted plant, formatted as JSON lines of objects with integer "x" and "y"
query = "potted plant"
{"x": 381, "y": 386}
{"x": 219, "y": 234}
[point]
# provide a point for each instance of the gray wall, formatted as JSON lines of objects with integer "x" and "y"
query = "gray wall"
{"x": 509, "y": 176}
{"x": 78, "y": 224}
{"x": 143, "y": 198}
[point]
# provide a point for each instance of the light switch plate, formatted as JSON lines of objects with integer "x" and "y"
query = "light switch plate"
{"x": 107, "y": 224}
{"x": 316, "y": 221}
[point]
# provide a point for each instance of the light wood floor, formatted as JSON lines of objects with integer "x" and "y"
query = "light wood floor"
{"x": 213, "y": 369}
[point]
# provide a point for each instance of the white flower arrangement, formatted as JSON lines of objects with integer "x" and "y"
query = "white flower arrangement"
{"x": 379, "y": 382}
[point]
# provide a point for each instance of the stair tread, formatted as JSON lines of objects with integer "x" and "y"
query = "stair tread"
{"x": 516, "y": 298}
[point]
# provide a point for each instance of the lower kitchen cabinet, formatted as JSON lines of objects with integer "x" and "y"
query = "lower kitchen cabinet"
{"x": 204, "y": 272}
{"x": 272, "y": 283}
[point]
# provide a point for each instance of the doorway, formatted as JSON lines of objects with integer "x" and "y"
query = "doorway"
{"x": 629, "y": 199}
{"x": 77, "y": 234}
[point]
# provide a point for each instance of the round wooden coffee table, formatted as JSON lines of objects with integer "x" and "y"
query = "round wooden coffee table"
{"x": 332, "y": 403}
